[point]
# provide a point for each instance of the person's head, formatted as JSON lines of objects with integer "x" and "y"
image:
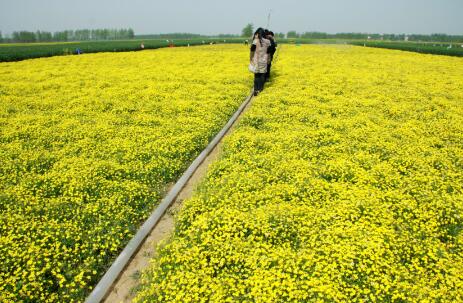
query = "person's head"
{"x": 259, "y": 33}
{"x": 270, "y": 36}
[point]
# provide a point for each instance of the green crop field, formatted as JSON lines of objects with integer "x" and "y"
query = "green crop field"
{"x": 436, "y": 48}
{"x": 22, "y": 51}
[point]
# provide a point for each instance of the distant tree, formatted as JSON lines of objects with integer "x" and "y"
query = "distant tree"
{"x": 1, "y": 37}
{"x": 105, "y": 34}
{"x": 248, "y": 30}
{"x": 314, "y": 35}
{"x": 171, "y": 36}
{"x": 43, "y": 36}
{"x": 130, "y": 33}
{"x": 292, "y": 34}
{"x": 122, "y": 33}
{"x": 85, "y": 34}
{"x": 94, "y": 34}
{"x": 24, "y": 36}
{"x": 352, "y": 35}
{"x": 70, "y": 35}
{"x": 98, "y": 34}
{"x": 280, "y": 35}
{"x": 82, "y": 35}
{"x": 60, "y": 36}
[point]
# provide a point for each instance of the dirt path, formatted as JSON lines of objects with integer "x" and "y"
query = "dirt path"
{"x": 123, "y": 289}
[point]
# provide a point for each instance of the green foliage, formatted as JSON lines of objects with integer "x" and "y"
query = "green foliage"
{"x": 376, "y": 36}
{"x": 71, "y": 35}
{"x": 43, "y": 36}
{"x": 248, "y": 30}
{"x": 172, "y": 36}
{"x": 426, "y": 48}
{"x": 292, "y": 34}
{"x": 314, "y": 35}
{"x": 184, "y": 36}
{"x": 17, "y": 52}
{"x": 24, "y": 36}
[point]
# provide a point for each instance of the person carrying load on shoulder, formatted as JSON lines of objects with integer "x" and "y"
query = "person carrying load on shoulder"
{"x": 259, "y": 59}
{"x": 273, "y": 47}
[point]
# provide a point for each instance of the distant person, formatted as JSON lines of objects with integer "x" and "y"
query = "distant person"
{"x": 142, "y": 45}
{"x": 272, "y": 49}
{"x": 259, "y": 59}
{"x": 246, "y": 42}
{"x": 78, "y": 51}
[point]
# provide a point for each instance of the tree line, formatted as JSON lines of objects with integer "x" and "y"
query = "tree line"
{"x": 70, "y": 35}
{"x": 121, "y": 34}
{"x": 184, "y": 36}
{"x": 98, "y": 34}
{"x": 248, "y": 31}
{"x": 374, "y": 36}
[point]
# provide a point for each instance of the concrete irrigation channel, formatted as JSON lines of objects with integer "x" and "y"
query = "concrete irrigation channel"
{"x": 117, "y": 283}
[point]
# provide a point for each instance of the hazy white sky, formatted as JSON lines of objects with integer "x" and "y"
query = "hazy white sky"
{"x": 214, "y": 16}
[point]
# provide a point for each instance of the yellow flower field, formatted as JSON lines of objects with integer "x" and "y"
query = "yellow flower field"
{"x": 88, "y": 145}
{"x": 342, "y": 183}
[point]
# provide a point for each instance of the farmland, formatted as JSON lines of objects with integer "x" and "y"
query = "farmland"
{"x": 22, "y": 51}
{"x": 342, "y": 183}
{"x": 436, "y": 48}
{"x": 89, "y": 145}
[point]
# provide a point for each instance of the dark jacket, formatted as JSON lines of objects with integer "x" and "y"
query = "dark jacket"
{"x": 272, "y": 48}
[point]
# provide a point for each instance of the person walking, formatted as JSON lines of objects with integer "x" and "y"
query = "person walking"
{"x": 259, "y": 59}
{"x": 272, "y": 49}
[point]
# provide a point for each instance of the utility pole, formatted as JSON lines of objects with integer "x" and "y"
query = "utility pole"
{"x": 268, "y": 18}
